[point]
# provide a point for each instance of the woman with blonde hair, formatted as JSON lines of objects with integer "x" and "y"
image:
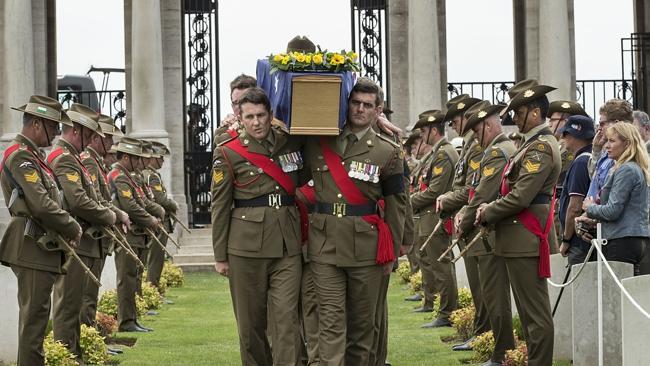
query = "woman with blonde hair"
{"x": 623, "y": 206}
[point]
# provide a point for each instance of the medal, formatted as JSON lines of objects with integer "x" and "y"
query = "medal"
{"x": 352, "y": 168}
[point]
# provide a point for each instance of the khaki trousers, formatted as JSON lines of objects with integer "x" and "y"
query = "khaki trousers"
{"x": 439, "y": 277}
{"x": 68, "y": 294}
{"x": 496, "y": 295}
{"x": 533, "y": 304}
{"x": 347, "y": 299}
{"x": 156, "y": 260}
{"x": 309, "y": 312}
{"x": 254, "y": 283}
{"x": 91, "y": 292}
{"x": 380, "y": 344}
{"x": 127, "y": 278}
{"x": 34, "y": 290}
{"x": 481, "y": 318}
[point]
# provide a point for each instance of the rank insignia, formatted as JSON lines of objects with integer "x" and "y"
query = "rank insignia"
{"x": 437, "y": 170}
{"x": 474, "y": 164}
{"x": 570, "y": 157}
{"x": 32, "y": 177}
{"x": 158, "y": 187}
{"x": 541, "y": 147}
{"x": 94, "y": 178}
{"x": 126, "y": 194}
{"x": 72, "y": 177}
{"x": 487, "y": 171}
{"x": 217, "y": 176}
{"x": 494, "y": 153}
{"x": 532, "y": 167}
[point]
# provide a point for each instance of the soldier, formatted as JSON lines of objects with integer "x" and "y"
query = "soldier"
{"x": 82, "y": 202}
{"x": 154, "y": 181}
{"x": 485, "y": 181}
{"x": 523, "y": 219}
{"x": 558, "y": 112}
{"x": 257, "y": 233}
{"x": 129, "y": 197}
{"x": 30, "y": 190}
{"x": 92, "y": 159}
{"x": 448, "y": 204}
{"x": 437, "y": 276}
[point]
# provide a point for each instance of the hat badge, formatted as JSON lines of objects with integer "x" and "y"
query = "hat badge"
{"x": 576, "y": 126}
{"x": 565, "y": 105}
{"x": 481, "y": 114}
{"x": 431, "y": 119}
{"x": 461, "y": 105}
{"x": 41, "y": 109}
{"x": 529, "y": 93}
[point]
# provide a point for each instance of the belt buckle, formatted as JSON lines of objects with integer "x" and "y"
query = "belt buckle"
{"x": 339, "y": 209}
{"x": 275, "y": 200}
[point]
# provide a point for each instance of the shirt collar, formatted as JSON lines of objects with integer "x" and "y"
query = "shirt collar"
{"x": 528, "y": 135}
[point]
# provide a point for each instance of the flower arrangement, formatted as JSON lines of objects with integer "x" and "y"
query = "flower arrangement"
{"x": 316, "y": 61}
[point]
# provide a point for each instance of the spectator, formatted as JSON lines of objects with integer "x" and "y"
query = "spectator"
{"x": 623, "y": 210}
{"x": 578, "y": 132}
{"x": 614, "y": 110}
{"x": 642, "y": 122}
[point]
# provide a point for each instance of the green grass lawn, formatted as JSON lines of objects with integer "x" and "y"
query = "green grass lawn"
{"x": 199, "y": 329}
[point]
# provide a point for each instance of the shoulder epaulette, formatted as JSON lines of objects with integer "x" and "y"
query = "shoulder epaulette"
{"x": 387, "y": 139}
{"x": 54, "y": 154}
{"x": 227, "y": 138}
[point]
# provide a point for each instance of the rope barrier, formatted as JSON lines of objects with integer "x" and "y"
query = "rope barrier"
{"x": 582, "y": 266}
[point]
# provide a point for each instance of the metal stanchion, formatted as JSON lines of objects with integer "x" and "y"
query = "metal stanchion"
{"x": 599, "y": 237}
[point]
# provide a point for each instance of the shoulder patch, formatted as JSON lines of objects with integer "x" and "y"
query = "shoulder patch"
{"x": 31, "y": 177}
{"x": 532, "y": 167}
{"x": 488, "y": 171}
{"x": 437, "y": 170}
{"x": 126, "y": 193}
{"x": 72, "y": 177}
{"x": 158, "y": 188}
{"x": 474, "y": 164}
{"x": 494, "y": 153}
{"x": 387, "y": 139}
{"x": 217, "y": 176}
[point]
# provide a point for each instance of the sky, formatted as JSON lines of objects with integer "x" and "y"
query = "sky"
{"x": 252, "y": 29}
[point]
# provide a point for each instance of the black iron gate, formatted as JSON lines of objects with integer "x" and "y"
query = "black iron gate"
{"x": 369, "y": 20}
{"x": 634, "y": 58}
{"x": 200, "y": 95}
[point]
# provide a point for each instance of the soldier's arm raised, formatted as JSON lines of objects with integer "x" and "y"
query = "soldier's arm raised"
{"x": 222, "y": 198}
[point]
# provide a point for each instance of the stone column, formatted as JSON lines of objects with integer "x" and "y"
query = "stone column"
{"x": 555, "y": 67}
{"x": 427, "y": 64}
{"x": 399, "y": 70}
{"x": 636, "y": 337}
{"x": 562, "y": 347}
{"x": 173, "y": 82}
{"x": 642, "y": 25}
{"x": 585, "y": 315}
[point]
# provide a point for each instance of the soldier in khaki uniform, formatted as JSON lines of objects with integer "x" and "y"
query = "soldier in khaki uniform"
{"x": 82, "y": 201}
{"x": 153, "y": 180}
{"x": 448, "y": 204}
{"x": 437, "y": 277}
{"x": 483, "y": 120}
{"x": 350, "y": 246}
{"x": 523, "y": 219}
{"x": 130, "y": 198}
{"x": 30, "y": 190}
{"x": 92, "y": 159}
{"x": 558, "y": 112}
{"x": 257, "y": 232}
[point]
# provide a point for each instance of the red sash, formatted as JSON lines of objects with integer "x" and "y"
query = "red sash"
{"x": 309, "y": 193}
{"x": 531, "y": 224}
{"x": 272, "y": 170}
{"x": 354, "y": 196}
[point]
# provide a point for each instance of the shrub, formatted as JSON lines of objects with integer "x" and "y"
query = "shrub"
{"x": 56, "y": 354}
{"x": 404, "y": 272}
{"x": 464, "y": 298}
{"x": 517, "y": 356}
{"x": 517, "y": 327}
{"x": 463, "y": 321}
{"x": 93, "y": 348}
{"x": 172, "y": 275}
{"x": 152, "y": 298}
{"x": 415, "y": 282}
{"x": 483, "y": 347}
{"x": 140, "y": 306}
{"x": 105, "y": 324}
{"x": 107, "y": 303}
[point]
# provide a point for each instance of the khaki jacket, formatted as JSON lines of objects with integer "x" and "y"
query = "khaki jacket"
{"x": 81, "y": 199}
{"x": 42, "y": 202}
{"x": 534, "y": 171}
{"x": 486, "y": 182}
{"x": 349, "y": 241}
{"x": 439, "y": 175}
{"x": 256, "y": 232}
{"x": 468, "y": 163}
{"x": 130, "y": 199}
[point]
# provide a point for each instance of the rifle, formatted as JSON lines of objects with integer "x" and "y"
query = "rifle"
{"x": 153, "y": 235}
{"x": 168, "y": 236}
{"x": 32, "y": 227}
{"x": 173, "y": 216}
{"x": 124, "y": 244}
{"x": 481, "y": 234}
{"x": 435, "y": 229}
{"x": 449, "y": 248}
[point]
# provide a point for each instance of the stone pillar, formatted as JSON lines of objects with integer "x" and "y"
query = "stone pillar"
{"x": 427, "y": 64}
{"x": 173, "y": 82}
{"x": 585, "y": 315}
{"x": 635, "y": 325}
{"x": 642, "y": 25}
{"x": 127, "y": 62}
{"x": 562, "y": 347}
{"x": 398, "y": 46}
{"x": 40, "y": 38}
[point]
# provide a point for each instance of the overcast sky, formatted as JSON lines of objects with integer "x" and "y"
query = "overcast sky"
{"x": 90, "y": 32}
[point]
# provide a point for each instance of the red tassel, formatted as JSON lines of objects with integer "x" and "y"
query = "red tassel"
{"x": 304, "y": 220}
{"x": 385, "y": 247}
{"x": 449, "y": 227}
{"x": 544, "y": 268}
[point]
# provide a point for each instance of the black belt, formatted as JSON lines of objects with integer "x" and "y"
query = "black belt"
{"x": 343, "y": 209}
{"x": 270, "y": 200}
{"x": 541, "y": 199}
